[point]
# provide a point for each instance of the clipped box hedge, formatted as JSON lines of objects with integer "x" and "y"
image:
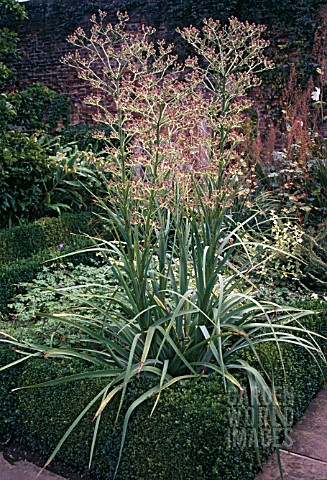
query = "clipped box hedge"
{"x": 24, "y": 249}
{"x": 28, "y": 240}
{"x": 25, "y": 270}
{"x": 197, "y": 430}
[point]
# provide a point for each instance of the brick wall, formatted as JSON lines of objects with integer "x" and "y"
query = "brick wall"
{"x": 43, "y": 35}
{"x": 43, "y": 38}
{"x": 43, "y": 43}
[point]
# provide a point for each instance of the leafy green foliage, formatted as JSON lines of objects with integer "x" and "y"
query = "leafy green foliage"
{"x": 12, "y": 7}
{"x": 38, "y": 176}
{"x": 11, "y": 275}
{"x": 279, "y": 263}
{"x": 291, "y": 259}
{"x": 8, "y": 38}
{"x": 75, "y": 176}
{"x": 175, "y": 309}
{"x": 28, "y": 240}
{"x": 24, "y": 171}
{"x": 9, "y": 403}
{"x": 179, "y": 304}
{"x": 7, "y": 112}
{"x": 42, "y": 294}
{"x": 24, "y": 158}
{"x": 314, "y": 255}
{"x": 39, "y": 108}
{"x": 84, "y": 137}
{"x": 14, "y": 276}
{"x": 23, "y": 249}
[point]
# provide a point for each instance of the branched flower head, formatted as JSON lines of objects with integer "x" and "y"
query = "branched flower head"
{"x": 171, "y": 122}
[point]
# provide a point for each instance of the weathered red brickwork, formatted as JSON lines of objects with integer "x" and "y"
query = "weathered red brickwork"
{"x": 43, "y": 35}
{"x": 43, "y": 44}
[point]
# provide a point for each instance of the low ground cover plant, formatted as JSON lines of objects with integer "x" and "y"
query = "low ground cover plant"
{"x": 178, "y": 303}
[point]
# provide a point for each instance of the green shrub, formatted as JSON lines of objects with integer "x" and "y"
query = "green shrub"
{"x": 83, "y": 136}
{"x": 9, "y": 401}
{"x": 38, "y": 176}
{"x": 75, "y": 177}
{"x": 39, "y": 108}
{"x": 14, "y": 276}
{"x": 28, "y": 240}
{"x": 211, "y": 430}
{"x": 13, "y": 11}
{"x": 47, "y": 292}
{"x": 7, "y": 111}
{"x": 197, "y": 420}
{"x": 24, "y": 249}
{"x": 197, "y": 430}
{"x": 57, "y": 420}
{"x": 194, "y": 420}
{"x": 15, "y": 273}
{"x": 23, "y": 173}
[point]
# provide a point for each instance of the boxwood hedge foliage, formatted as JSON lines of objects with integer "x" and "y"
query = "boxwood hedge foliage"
{"x": 24, "y": 248}
{"x": 28, "y": 240}
{"x": 198, "y": 430}
{"x": 9, "y": 402}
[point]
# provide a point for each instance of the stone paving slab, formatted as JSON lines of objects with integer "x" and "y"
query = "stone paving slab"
{"x": 309, "y": 436}
{"x": 295, "y": 467}
{"x": 306, "y": 457}
{"x": 23, "y": 470}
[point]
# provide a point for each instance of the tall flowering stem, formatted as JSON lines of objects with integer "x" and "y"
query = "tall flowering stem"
{"x": 171, "y": 124}
{"x": 232, "y": 56}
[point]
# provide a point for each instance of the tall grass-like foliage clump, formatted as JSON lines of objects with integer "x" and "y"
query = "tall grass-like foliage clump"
{"x": 180, "y": 306}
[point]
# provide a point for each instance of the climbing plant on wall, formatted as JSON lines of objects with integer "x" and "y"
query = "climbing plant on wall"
{"x": 9, "y": 38}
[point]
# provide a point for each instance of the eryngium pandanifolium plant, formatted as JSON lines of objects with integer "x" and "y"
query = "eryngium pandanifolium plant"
{"x": 179, "y": 305}
{"x": 179, "y": 311}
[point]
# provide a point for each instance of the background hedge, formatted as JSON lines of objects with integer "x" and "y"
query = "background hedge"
{"x": 24, "y": 249}
{"x": 28, "y": 240}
